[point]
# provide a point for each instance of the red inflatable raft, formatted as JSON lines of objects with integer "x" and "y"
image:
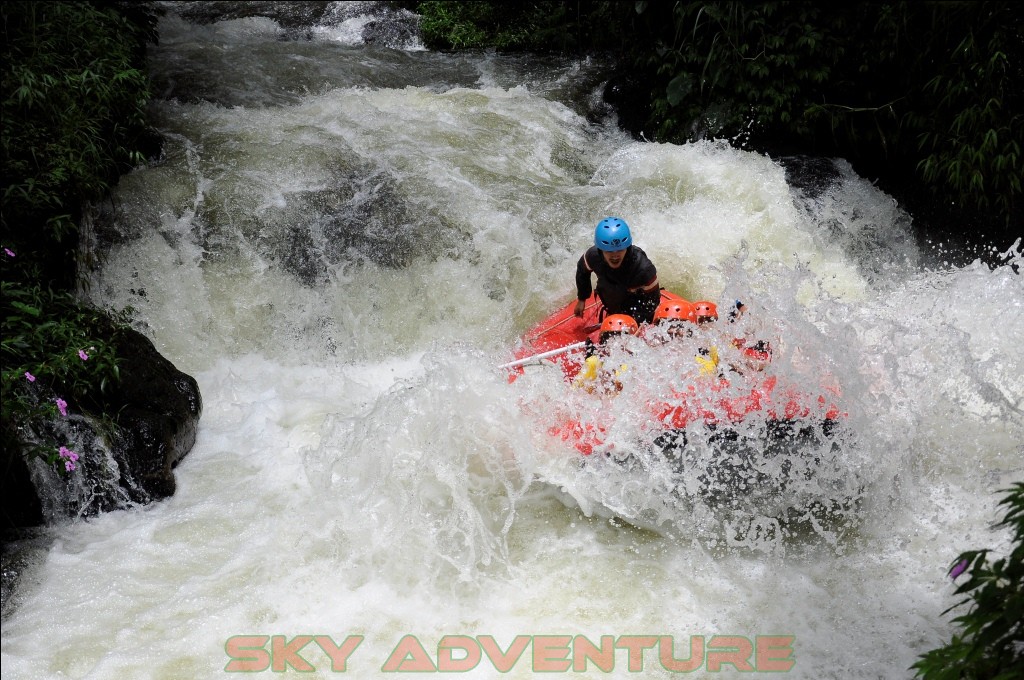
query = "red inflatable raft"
{"x": 713, "y": 398}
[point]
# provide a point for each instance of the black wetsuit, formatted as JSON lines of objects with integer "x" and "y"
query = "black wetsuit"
{"x": 621, "y": 290}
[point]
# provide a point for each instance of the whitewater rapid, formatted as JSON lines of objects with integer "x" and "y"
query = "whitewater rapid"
{"x": 342, "y": 265}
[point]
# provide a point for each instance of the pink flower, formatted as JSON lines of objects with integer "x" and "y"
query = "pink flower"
{"x": 70, "y": 457}
{"x": 958, "y": 569}
{"x": 29, "y": 377}
{"x": 62, "y": 406}
{"x": 82, "y": 355}
{"x": 10, "y": 253}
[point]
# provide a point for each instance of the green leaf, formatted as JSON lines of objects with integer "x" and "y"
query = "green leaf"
{"x": 33, "y": 311}
{"x": 678, "y": 88}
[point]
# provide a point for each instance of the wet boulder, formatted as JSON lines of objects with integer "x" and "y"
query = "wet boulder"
{"x": 157, "y": 409}
{"x": 129, "y": 439}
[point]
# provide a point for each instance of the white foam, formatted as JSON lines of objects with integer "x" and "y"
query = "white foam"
{"x": 361, "y": 468}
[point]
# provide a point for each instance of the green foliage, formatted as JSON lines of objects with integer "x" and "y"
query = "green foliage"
{"x": 74, "y": 96}
{"x": 925, "y": 88}
{"x": 990, "y": 643}
{"x": 925, "y": 91}
{"x": 74, "y": 106}
{"x": 52, "y": 347}
{"x": 973, "y": 133}
{"x": 733, "y": 68}
{"x": 538, "y": 26}
{"x": 455, "y": 25}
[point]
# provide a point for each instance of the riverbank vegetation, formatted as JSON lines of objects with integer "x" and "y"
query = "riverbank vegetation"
{"x": 74, "y": 95}
{"x": 925, "y": 97}
{"x": 991, "y": 627}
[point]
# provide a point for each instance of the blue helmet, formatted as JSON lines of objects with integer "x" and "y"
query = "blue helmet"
{"x": 612, "y": 234}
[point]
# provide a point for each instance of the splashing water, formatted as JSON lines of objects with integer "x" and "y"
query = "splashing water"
{"x": 342, "y": 259}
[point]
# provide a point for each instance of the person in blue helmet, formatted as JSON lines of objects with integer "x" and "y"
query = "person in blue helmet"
{"x": 627, "y": 281}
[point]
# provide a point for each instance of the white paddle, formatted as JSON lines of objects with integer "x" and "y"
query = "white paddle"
{"x": 545, "y": 355}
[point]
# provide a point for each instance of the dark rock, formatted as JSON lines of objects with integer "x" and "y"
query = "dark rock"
{"x": 19, "y": 501}
{"x": 812, "y": 175}
{"x": 287, "y": 14}
{"x": 155, "y": 410}
{"x": 18, "y": 556}
{"x": 393, "y": 32}
{"x": 629, "y": 96}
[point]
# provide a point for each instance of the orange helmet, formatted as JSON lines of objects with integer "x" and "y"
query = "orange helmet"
{"x": 619, "y": 323}
{"x": 705, "y": 311}
{"x": 675, "y": 310}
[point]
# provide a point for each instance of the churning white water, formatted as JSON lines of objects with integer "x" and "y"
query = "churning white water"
{"x": 341, "y": 244}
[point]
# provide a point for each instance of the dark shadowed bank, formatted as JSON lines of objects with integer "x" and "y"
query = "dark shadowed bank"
{"x": 94, "y": 418}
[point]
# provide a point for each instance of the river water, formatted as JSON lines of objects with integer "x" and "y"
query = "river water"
{"x": 344, "y": 238}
